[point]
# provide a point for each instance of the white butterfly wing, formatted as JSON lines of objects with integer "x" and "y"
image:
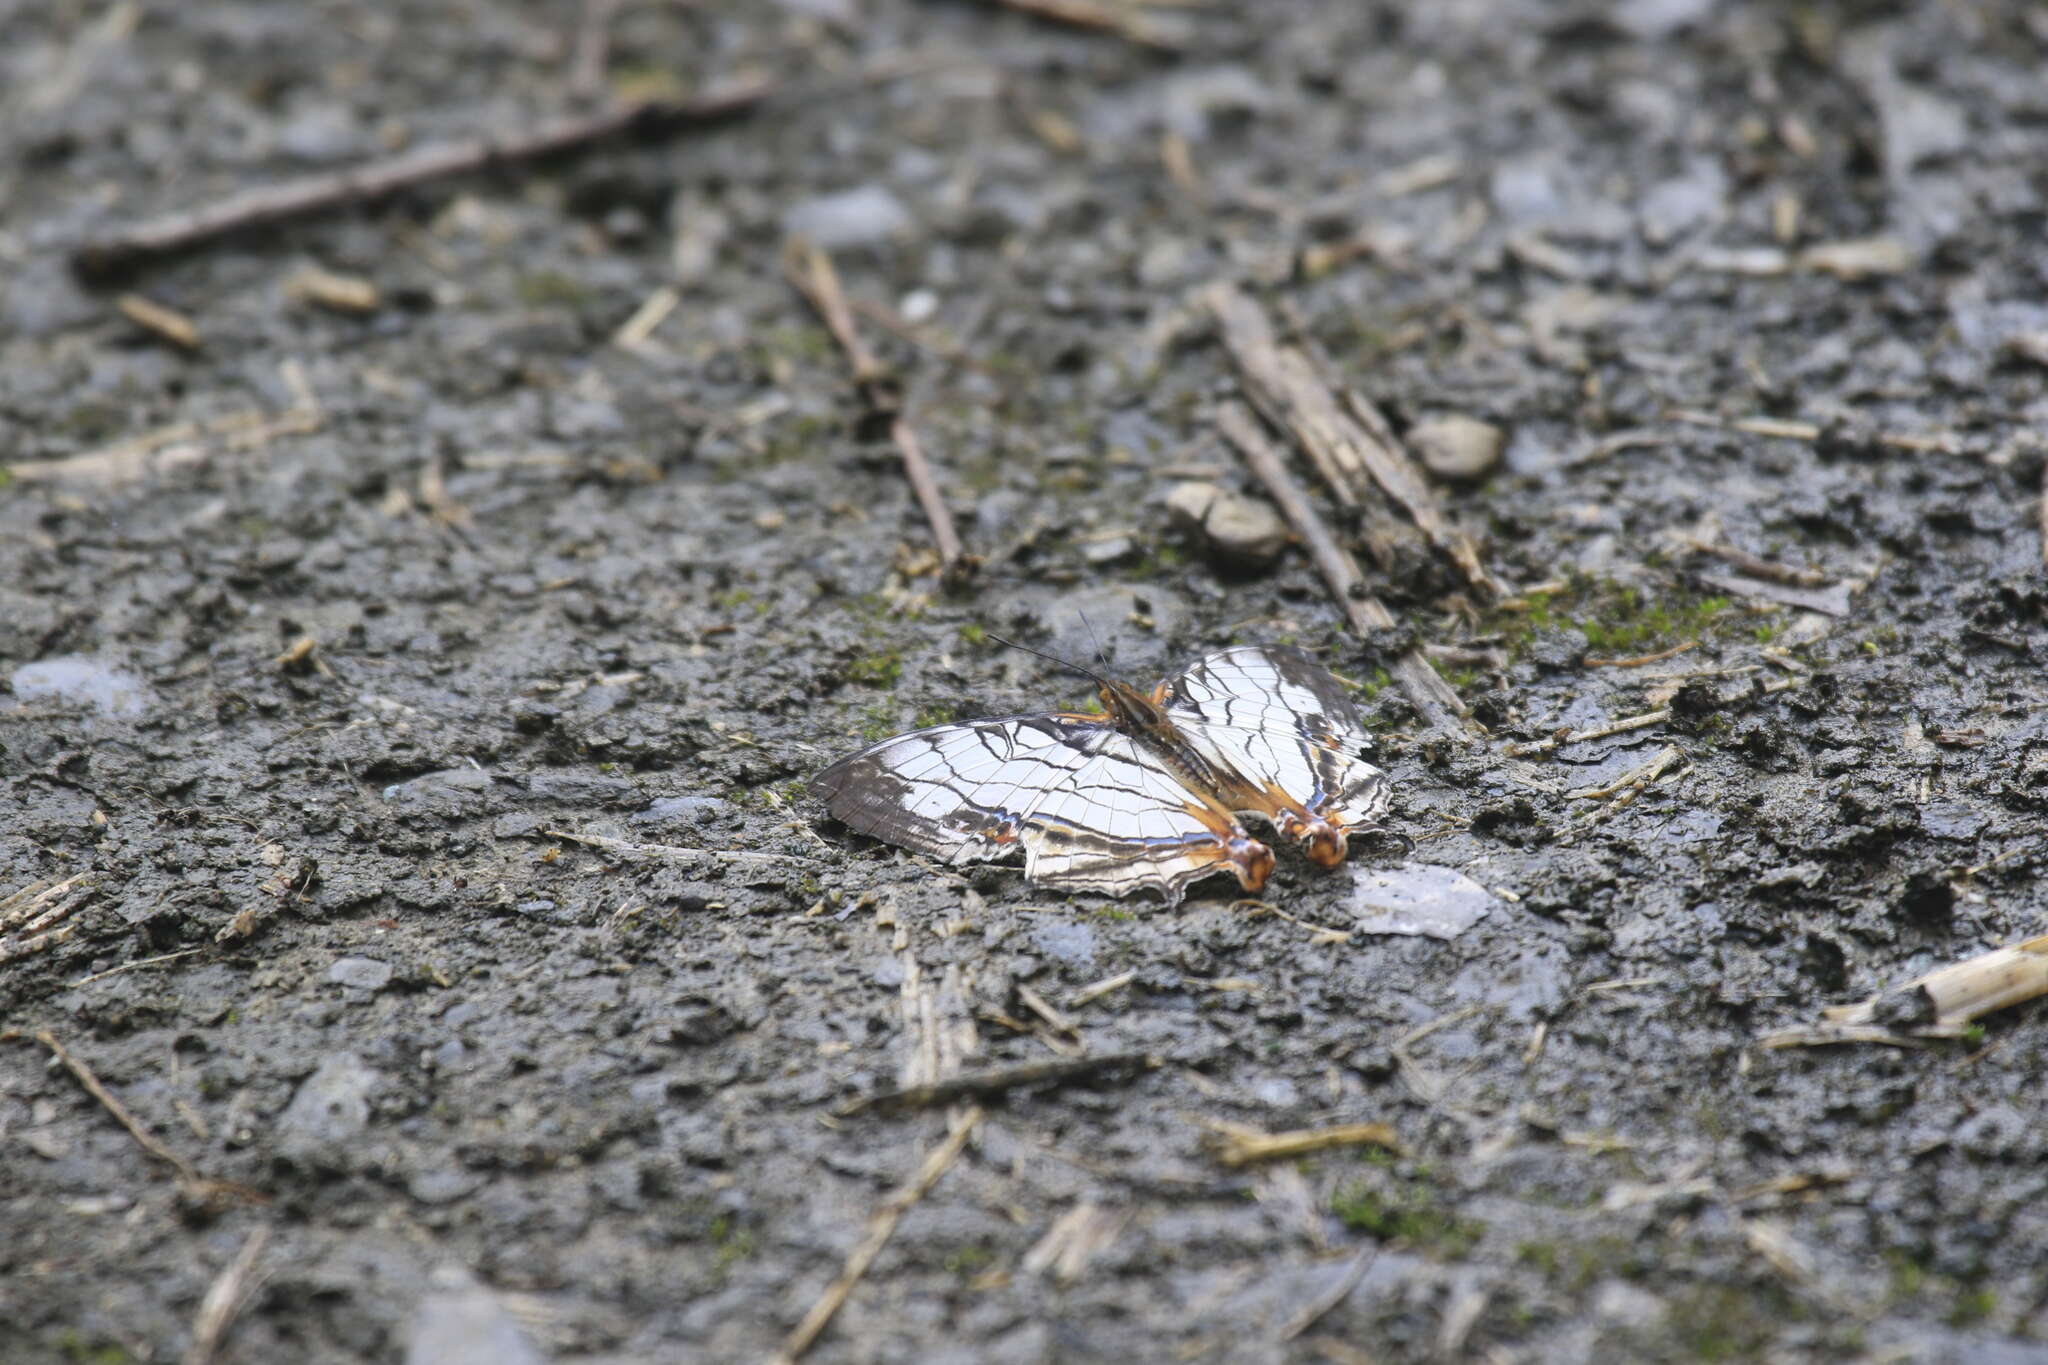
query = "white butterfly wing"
{"x": 1281, "y": 722}
{"x": 1091, "y": 809}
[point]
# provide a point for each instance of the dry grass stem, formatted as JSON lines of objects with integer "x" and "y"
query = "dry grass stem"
{"x": 225, "y": 1298}
{"x": 1756, "y": 567}
{"x": 1619, "y": 727}
{"x": 168, "y": 323}
{"x": 199, "y": 1185}
{"x": 1639, "y": 660}
{"x": 1954, "y": 996}
{"x": 1634, "y": 779}
{"x": 1000, "y": 1081}
{"x": 1089, "y": 994}
{"x": 1116, "y": 20}
{"x": 1239, "y": 1145}
{"x": 881, "y": 1226}
{"x": 1075, "y": 1238}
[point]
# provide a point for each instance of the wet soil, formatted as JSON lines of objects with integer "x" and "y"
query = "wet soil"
{"x": 508, "y": 1091}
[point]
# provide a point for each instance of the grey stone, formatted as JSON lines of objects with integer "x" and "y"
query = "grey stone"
{"x": 462, "y": 1323}
{"x": 857, "y": 217}
{"x": 360, "y": 973}
{"x": 331, "y": 1108}
{"x": 1418, "y": 898}
{"x": 1232, "y": 527}
{"x": 1458, "y": 447}
{"x": 74, "y": 679}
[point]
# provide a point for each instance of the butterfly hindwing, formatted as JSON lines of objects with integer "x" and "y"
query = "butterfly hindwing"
{"x": 1280, "y": 720}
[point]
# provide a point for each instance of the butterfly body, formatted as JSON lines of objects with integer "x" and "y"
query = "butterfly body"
{"x": 1145, "y": 796}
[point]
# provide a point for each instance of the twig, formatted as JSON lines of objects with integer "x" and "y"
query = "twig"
{"x": 1354, "y": 451}
{"x": 2042, "y": 513}
{"x": 1941, "y": 442}
{"x": 1636, "y": 778}
{"x": 1100, "y": 18}
{"x": 1619, "y": 727}
{"x": 168, "y": 323}
{"x": 380, "y": 179}
{"x": 188, "y": 1174}
{"x": 1091, "y": 993}
{"x": 1953, "y": 996}
{"x": 818, "y": 282}
{"x": 1639, "y": 660}
{"x": 881, "y": 1226}
{"x": 225, "y": 1298}
{"x": 137, "y": 965}
{"x": 1755, "y": 567}
{"x": 1238, "y": 1145}
{"x": 1046, "y": 1010}
{"x": 1313, "y": 1311}
{"x": 1421, "y": 683}
{"x": 170, "y": 447}
{"x": 672, "y": 851}
{"x": 991, "y": 1084}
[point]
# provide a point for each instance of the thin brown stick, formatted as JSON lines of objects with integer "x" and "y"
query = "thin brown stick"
{"x": 2042, "y": 514}
{"x": 380, "y": 179}
{"x": 952, "y": 557}
{"x": 188, "y": 1174}
{"x": 1638, "y": 660}
{"x": 1355, "y": 451}
{"x": 982, "y": 1085}
{"x": 810, "y": 270}
{"x": 881, "y": 1226}
{"x": 225, "y": 1298}
{"x": 1755, "y": 567}
{"x": 1100, "y": 18}
{"x": 1421, "y": 683}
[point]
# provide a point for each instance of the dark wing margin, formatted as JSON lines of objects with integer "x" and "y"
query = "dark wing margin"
{"x": 1089, "y": 809}
{"x": 1279, "y": 720}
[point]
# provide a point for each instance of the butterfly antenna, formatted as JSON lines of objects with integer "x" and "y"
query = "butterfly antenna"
{"x": 1050, "y": 658}
{"x": 1089, "y": 625}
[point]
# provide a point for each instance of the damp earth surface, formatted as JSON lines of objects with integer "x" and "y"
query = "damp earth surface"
{"x": 485, "y": 956}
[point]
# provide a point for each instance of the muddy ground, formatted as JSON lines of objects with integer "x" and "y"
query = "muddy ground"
{"x": 1767, "y": 276}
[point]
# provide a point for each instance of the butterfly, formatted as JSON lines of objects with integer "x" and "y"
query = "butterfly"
{"x": 1146, "y": 795}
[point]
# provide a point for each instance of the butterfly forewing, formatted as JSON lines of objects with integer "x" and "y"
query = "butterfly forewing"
{"x": 1090, "y": 809}
{"x": 1281, "y": 721}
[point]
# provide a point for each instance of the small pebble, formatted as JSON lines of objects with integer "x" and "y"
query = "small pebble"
{"x": 1457, "y": 447}
{"x": 360, "y": 973}
{"x": 1232, "y": 527}
{"x": 858, "y": 217}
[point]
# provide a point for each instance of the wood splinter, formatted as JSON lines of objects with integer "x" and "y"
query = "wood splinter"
{"x": 1420, "y": 682}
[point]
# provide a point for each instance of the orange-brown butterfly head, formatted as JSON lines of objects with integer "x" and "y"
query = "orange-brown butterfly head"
{"x": 1324, "y": 844}
{"x": 1252, "y": 861}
